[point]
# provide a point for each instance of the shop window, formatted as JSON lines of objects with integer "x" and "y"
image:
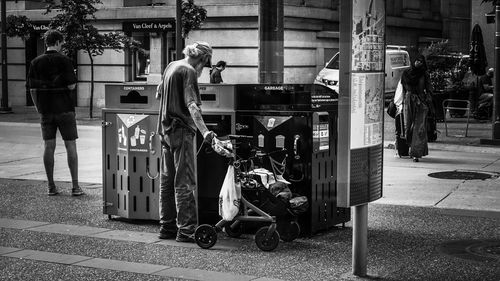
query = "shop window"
{"x": 141, "y": 57}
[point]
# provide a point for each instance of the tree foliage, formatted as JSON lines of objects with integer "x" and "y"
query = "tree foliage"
{"x": 446, "y": 68}
{"x": 193, "y": 17}
{"x": 75, "y": 17}
{"x": 18, "y": 26}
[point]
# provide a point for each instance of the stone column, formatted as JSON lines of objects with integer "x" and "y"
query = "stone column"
{"x": 155, "y": 59}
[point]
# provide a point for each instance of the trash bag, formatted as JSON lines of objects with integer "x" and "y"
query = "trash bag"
{"x": 280, "y": 190}
{"x": 229, "y": 196}
{"x": 299, "y": 204}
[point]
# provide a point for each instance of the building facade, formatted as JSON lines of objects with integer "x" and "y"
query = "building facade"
{"x": 311, "y": 38}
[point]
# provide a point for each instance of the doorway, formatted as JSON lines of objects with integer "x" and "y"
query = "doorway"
{"x": 34, "y": 47}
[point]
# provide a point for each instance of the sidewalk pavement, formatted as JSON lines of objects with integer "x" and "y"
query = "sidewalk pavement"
{"x": 453, "y": 142}
{"x": 422, "y": 229}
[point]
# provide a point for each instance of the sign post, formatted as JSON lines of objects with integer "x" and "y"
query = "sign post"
{"x": 361, "y": 114}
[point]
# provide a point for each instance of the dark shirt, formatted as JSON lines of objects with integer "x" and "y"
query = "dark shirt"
{"x": 485, "y": 84}
{"x": 180, "y": 88}
{"x": 215, "y": 77}
{"x": 49, "y": 75}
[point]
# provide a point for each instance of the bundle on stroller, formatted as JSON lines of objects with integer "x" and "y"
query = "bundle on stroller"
{"x": 265, "y": 198}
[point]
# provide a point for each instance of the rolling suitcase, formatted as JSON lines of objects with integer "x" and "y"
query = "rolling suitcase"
{"x": 431, "y": 129}
{"x": 401, "y": 145}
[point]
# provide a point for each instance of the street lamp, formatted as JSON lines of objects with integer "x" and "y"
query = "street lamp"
{"x": 4, "y": 104}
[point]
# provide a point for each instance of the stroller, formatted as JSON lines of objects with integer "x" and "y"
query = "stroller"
{"x": 258, "y": 204}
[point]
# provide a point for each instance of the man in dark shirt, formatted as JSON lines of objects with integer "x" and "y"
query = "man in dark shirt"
{"x": 485, "y": 102}
{"x": 51, "y": 78}
{"x": 180, "y": 117}
{"x": 215, "y": 73}
{"x": 486, "y": 82}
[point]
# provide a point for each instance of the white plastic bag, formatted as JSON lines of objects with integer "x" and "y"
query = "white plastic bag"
{"x": 229, "y": 196}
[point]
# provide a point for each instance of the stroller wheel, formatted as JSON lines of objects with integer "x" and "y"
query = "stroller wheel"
{"x": 268, "y": 244}
{"x": 232, "y": 230}
{"x": 205, "y": 236}
{"x": 289, "y": 231}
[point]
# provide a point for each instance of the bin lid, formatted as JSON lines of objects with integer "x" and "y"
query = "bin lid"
{"x": 306, "y": 97}
{"x": 131, "y": 95}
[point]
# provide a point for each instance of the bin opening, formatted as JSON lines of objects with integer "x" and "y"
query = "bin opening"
{"x": 208, "y": 97}
{"x": 134, "y": 97}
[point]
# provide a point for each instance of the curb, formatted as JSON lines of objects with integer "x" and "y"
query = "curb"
{"x": 454, "y": 147}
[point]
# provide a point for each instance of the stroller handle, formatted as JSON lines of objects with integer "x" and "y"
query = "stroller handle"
{"x": 239, "y": 137}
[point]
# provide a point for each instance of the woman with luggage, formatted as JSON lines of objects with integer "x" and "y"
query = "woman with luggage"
{"x": 416, "y": 102}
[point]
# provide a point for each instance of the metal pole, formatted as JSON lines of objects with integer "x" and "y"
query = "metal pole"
{"x": 271, "y": 41}
{"x": 496, "y": 88}
{"x": 4, "y": 107}
{"x": 178, "y": 29}
{"x": 359, "y": 240}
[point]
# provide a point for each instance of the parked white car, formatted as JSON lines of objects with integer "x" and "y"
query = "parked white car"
{"x": 396, "y": 61}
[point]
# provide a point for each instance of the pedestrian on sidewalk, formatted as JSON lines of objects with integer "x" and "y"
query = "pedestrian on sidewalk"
{"x": 485, "y": 103}
{"x": 51, "y": 78}
{"x": 215, "y": 72}
{"x": 417, "y": 91}
{"x": 179, "y": 118}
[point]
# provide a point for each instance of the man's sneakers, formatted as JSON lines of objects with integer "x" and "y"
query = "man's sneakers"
{"x": 185, "y": 238}
{"x": 53, "y": 191}
{"x": 77, "y": 191}
{"x": 178, "y": 236}
{"x": 165, "y": 234}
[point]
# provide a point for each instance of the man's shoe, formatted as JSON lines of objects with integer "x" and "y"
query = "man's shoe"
{"x": 185, "y": 238}
{"x": 52, "y": 191}
{"x": 164, "y": 234}
{"x": 77, "y": 191}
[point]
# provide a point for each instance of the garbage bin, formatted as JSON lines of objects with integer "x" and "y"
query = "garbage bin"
{"x": 131, "y": 155}
{"x": 301, "y": 121}
{"x": 218, "y": 107}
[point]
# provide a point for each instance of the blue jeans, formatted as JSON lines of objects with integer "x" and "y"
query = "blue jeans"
{"x": 178, "y": 182}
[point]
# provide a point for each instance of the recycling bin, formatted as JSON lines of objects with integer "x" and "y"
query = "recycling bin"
{"x": 131, "y": 153}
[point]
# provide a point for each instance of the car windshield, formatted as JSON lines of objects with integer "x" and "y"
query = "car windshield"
{"x": 334, "y": 62}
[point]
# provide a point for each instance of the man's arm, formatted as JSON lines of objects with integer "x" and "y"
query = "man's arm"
{"x": 195, "y": 112}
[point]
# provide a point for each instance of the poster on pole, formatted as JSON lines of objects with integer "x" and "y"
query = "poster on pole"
{"x": 368, "y": 36}
{"x": 361, "y": 102}
{"x": 367, "y": 79}
{"x": 366, "y": 109}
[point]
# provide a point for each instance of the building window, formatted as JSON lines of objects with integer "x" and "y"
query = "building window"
{"x": 141, "y": 57}
{"x": 134, "y": 3}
